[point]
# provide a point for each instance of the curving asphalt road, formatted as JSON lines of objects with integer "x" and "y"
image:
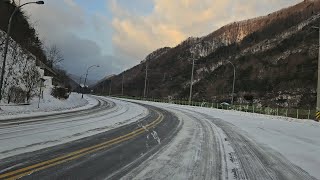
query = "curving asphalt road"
{"x": 109, "y": 153}
{"x": 136, "y": 140}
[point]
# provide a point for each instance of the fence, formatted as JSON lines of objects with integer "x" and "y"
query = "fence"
{"x": 284, "y": 112}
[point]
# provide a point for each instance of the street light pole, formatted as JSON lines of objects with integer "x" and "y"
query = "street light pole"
{"x": 145, "y": 80}
{"x": 103, "y": 86}
{"x": 80, "y": 80}
{"x": 234, "y": 80}
{"x": 122, "y": 84}
{"x": 191, "y": 81}
{"x": 85, "y": 80}
{"x": 41, "y": 84}
{"x": 7, "y": 42}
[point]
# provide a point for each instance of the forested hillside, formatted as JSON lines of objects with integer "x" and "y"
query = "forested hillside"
{"x": 21, "y": 30}
{"x": 275, "y": 58}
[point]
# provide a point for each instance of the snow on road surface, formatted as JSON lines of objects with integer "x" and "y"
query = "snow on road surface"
{"x": 48, "y": 105}
{"x": 21, "y": 138}
{"x": 219, "y": 144}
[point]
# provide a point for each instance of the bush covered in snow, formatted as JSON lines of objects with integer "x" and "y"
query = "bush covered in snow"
{"x": 60, "y": 93}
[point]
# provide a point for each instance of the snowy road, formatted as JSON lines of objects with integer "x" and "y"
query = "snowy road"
{"x": 146, "y": 140}
{"x": 208, "y": 147}
{"x": 107, "y": 140}
{"x": 25, "y": 135}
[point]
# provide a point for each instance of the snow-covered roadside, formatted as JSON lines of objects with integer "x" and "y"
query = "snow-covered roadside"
{"x": 18, "y": 139}
{"x": 48, "y": 106}
{"x": 297, "y": 140}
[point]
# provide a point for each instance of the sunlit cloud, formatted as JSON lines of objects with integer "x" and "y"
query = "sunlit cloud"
{"x": 172, "y": 21}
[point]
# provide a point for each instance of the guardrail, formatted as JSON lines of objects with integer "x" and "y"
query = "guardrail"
{"x": 284, "y": 112}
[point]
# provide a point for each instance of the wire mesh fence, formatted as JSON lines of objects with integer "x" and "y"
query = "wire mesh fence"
{"x": 284, "y": 112}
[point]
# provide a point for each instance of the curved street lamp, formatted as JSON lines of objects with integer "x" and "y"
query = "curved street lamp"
{"x": 85, "y": 80}
{"x": 234, "y": 79}
{"x": 80, "y": 80}
{"x": 7, "y": 41}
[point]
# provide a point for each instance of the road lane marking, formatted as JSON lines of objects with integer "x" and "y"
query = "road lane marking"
{"x": 79, "y": 153}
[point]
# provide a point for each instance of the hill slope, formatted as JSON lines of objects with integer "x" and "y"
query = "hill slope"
{"x": 21, "y": 30}
{"x": 275, "y": 58}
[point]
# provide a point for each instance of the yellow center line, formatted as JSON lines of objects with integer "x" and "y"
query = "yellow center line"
{"x": 79, "y": 153}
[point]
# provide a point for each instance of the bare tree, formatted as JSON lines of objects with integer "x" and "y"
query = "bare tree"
{"x": 31, "y": 79}
{"x": 54, "y": 56}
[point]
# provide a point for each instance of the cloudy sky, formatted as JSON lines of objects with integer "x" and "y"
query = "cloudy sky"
{"x": 118, "y": 34}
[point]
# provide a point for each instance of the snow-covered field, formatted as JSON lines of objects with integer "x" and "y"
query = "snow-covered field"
{"x": 17, "y": 139}
{"x": 48, "y": 105}
{"x": 297, "y": 141}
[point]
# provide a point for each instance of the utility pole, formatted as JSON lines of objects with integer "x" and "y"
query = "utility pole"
{"x": 147, "y": 93}
{"x": 145, "y": 80}
{"x": 110, "y": 87}
{"x": 122, "y": 84}
{"x": 191, "y": 82}
{"x": 318, "y": 88}
{"x": 234, "y": 80}
{"x": 318, "y": 85}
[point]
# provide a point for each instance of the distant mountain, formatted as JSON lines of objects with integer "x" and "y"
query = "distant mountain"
{"x": 275, "y": 58}
{"x": 76, "y": 79}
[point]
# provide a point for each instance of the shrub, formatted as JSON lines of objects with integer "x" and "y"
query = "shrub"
{"x": 60, "y": 93}
{"x": 16, "y": 95}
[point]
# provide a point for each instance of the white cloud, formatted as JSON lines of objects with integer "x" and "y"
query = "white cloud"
{"x": 76, "y": 32}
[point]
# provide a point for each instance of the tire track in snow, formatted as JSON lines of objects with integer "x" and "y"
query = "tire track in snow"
{"x": 259, "y": 161}
{"x": 240, "y": 156}
{"x": 191, "y": 155}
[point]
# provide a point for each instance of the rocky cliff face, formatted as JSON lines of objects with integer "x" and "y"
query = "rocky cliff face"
{"x": 22, "y": 76}
{"x": 275, "y": 58}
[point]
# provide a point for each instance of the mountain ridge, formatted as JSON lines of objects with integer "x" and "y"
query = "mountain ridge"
{"x": 269, "y": 45}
